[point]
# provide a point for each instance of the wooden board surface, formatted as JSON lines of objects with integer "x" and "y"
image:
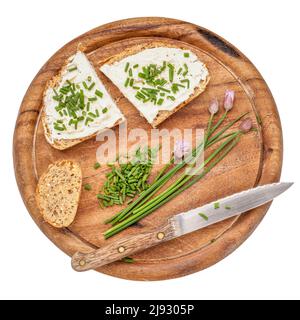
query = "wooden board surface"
{"x": 257, "y": 159}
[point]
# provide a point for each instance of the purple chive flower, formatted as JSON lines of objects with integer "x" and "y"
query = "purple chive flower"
{"x": 214, "y": 106}
{"x": 182, "y": 148}
{"x": 246, "y": 125}
{"x": 228, "y": 100}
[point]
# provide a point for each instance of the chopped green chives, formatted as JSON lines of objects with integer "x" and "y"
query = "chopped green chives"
{"x": 160, "y": 101}
{"x": 153, "y": 100}
{"x": 73, "y": 114}
{"x": 146, "y": 71}
{"x": 204, "y": 216}
{"x": 91, "y": 86}
{"x": 126, "y": 82}
{"x": 88, "y": 119}
{"x": 88, "y": 106}
{"x": 160, "y": 82}
{"x": 187, "y": 82}
{"x": 89, "y": 78}
{"x": 64, "y": 90}
{"x": 216, "y": 205}
{"x": 171, "y": 98}
{"x": 163, "y": 89}
{"x": 164, "y": 66}
{"x": 146, "y": 93}
{"x": 151, "y": 75}
{"x": 127, "y": 259}
{"x": 91, "y": 114}
{"x": 174, "y": 88}
{"x": 81, "y": 97}
{"x": 151, "y": 90}
{"x": 104, "y": 110}
{"x": 97, "y": 113}
{"x": 227, "y": 207}
{"x": 85, "y": 85}
{"x": 140, "y": 96}
{"x": 72, "y": 69}
{"x": 61, "y": 113}
{"x": 92, "y": 99}
{"x": 171, "y": 72}
{"x": 65, "y": 112}
{"x": 59, "y": 128}
{"x": 56, "y": 98}
{"x": 97, "y": 165}
{"x": 59, "y": 121}
{"x": 186, "y": 70}
{"x": 142, "y": 75}
{"x": 99, "y": 93}
{"x": 125, "y": 180}
{"x": 87, "y": 187}
{"x": 186, "y": 54}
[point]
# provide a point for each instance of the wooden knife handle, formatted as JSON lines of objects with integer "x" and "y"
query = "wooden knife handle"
{"x": 123, "y": 248}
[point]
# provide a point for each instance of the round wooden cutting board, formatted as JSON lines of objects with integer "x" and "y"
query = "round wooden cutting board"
{"x": 256, "y": 160}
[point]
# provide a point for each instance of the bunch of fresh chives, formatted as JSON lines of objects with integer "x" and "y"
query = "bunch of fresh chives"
{"x": 146, "y": 203}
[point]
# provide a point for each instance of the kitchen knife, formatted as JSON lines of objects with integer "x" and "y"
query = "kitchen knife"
{"x": 179, "y": 225}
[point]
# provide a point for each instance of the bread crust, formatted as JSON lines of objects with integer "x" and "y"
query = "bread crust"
{"x": 169, "y": 43}
{"x": 65, "y": 221}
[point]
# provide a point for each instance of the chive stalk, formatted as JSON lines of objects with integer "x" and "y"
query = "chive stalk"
{"x": 138, "y": 216}
{"x": 144, "y": 205}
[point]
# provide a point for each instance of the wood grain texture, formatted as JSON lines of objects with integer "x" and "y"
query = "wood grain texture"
{"x": 257, "y": 159}
{"x": 127, "y": 246}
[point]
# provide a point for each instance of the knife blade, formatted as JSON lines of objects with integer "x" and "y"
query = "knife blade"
{"x": 227, "y": 207}
{"x": 179, "y": 225}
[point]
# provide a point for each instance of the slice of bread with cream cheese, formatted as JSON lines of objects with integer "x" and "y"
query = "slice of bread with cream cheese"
{"x": 77, "y": 105}
{"x": 158, "y": 78}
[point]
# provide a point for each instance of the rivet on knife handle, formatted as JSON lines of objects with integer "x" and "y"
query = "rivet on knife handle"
{"x": 123, "y": 248}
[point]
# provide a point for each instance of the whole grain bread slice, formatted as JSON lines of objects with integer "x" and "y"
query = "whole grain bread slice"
{"x": 169, "y": 43}
{"x": 58, "y": 193}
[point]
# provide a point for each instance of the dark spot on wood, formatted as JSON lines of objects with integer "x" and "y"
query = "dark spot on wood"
{"x": 219, "y": 43}
{"x": 267, "y": 151}
{"x": 29, "y": 110}
{"x": 139, "y": 225}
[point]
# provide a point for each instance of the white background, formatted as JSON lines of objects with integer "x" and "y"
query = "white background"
{"x": 267, "y": 265}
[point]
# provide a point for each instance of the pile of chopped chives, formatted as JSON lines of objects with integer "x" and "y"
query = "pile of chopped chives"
{"x": 73, "y": 107}
{"x": 151, "y": 86}
{"x": 128, "y": 179}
